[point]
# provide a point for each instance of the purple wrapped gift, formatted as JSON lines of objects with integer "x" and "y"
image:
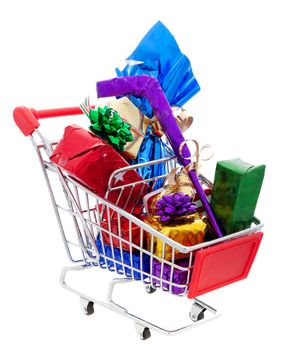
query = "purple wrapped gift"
{"x": 179, "y": 276}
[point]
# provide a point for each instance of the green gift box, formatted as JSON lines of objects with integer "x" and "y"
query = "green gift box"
{"x": 236, "y": 189}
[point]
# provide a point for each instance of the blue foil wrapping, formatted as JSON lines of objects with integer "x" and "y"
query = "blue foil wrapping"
{"x": 133, "y": 260}
{"x": 151, "y": 148}
{"x": 158, "y": 55}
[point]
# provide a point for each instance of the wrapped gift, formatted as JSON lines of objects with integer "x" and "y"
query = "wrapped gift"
{"x": 236, "y": 189}
{"x": 136, "y": 120}
{"x": 177, "y": 274}
{"x": 121, "y": 228}
{"x": 134, "y": 260}
{"x": 107, "y": 124}
{"x": 177, "y": 213}
{"x": 186, "y": 233}
{"x": 92, "y": 161}
{"x": 176, "y": 182}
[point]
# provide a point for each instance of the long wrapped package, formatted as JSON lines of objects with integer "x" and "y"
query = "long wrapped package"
{"x": 92, "y": 161}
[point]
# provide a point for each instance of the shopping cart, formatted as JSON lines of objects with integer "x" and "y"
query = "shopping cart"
{"x": 88, "y": 222}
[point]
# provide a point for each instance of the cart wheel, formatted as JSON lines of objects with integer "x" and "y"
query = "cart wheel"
{"x": 197, "y": 312}
{"x": 198, "y": 317}
{"x": 87, "y": 306}
{"x": 150, "y": 289}
{"x": 144, "y": 333}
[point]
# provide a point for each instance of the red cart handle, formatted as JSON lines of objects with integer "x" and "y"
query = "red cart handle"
{"x": 27, "y": 118}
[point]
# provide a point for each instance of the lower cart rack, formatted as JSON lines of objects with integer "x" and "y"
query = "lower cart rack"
{"x": 143, "y": 327}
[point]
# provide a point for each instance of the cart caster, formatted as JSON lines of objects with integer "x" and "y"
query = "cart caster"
{"x": 150, "y": 289}
{"x": 144, "y": 333}
{"x": 87, "y": 306}
{"x": 197, "y": 312}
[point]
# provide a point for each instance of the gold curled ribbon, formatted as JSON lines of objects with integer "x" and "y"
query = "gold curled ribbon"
{"x": 183, "y": 119}
{"x": 196, "y": 158}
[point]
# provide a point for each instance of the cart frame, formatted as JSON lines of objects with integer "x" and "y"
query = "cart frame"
{"x": 87, "y": 220}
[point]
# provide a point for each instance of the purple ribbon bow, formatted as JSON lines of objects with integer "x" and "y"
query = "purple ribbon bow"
{"x": 174, "y": 205}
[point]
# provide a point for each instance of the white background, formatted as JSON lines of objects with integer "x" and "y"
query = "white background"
{"x": 52, "y": 53}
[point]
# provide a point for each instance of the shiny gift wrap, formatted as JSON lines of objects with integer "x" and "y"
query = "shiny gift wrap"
{"x": 176, "y": 182}
{"x": 184, "y": 184}
{"x": 173, "y": 206}
{"x": 138, "y": 122}
{"x": 152, "y": 148}
{"x": 176, "y": 212}
{"x": 107, "y": 124}
{"x": 159, "y": 56}
{"x": 135, "y": 260}
{"x": 92, "y": 161}
{"x": 121, "y": 228}
{"x": 177, "y": 274}
{"x": 185, "y": 233}
{"x": 236, "y": 189}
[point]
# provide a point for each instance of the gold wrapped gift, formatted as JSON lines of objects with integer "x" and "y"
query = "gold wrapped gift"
{"x": 136, "y": 119}
{"x": 186, "y": 233}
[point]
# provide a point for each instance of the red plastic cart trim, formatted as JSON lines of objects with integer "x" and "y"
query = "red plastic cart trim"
{"x": 59, "y": 112}
{"x": 27, "y": 118}
{"x": 223, "y": 263}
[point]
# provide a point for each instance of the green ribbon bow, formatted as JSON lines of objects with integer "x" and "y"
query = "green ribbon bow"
{"x": 107, "y": 123}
